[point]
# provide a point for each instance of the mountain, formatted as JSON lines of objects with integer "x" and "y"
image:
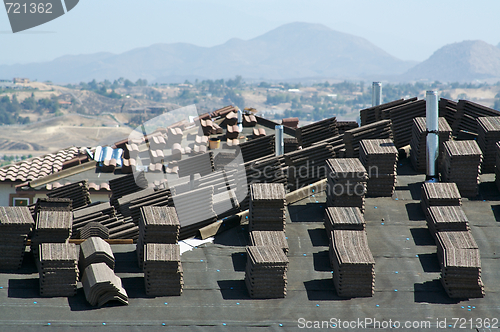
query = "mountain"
{"x": 295, "y": 50}
{"x": 465, "y": 61}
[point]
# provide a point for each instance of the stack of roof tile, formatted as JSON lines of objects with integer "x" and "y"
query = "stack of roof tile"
{"x": 352, "y": 262}
{"x": 269, "y": 238}
{"x": 380, "y": 158}
{"x": 52, "y": 227}
{"x": 377, "y": 130}
{"x": 466, "y": 115}
{"x": 223, "y": 111}
{"x": 192, "y": 219}
{"x": 163, "y": 275}
{"x": 460, "y": 264}
{"x": 317, "y": 131}
{"x": 290, "y": 144}
{"x": 267, "y": 207}
{"x": 265, "y": 274}
{"x": 290, "y": 122}
{"x": 440, "y": 194}
{"x": 57, "y": 268}
{"x": 53, "y": 204}
{"x": 78, "y": 192}
{"x": 101, "y": 285}
{"x": 375, "y": 113}
{"x": 102, "y": 213}
{"x": 418, "y": 142}
{"x": 349, "y": 218}
{"x": 15, "y": 225}
{"x": 448, "y": 110}
{"x": 249, "y": 120}
{"x": 126, "y": 185}
{"x": 306, "y": 166}
{"x": 488, "y": 136}
{"x": 347, "y": 179}
{"x": 343, "y": 126}
{"x": 95, "y": 250}
{"x": 446, "y": 218}
{"x": 462, "y": 165}
{"x": 157, "y": 225}
{"x": 94, "y": 229}
{"x": 401, "y": 117}
{"x": 258, "y": 132}
{"x": 257, "y": 148}
{"x": 202, "y": 164}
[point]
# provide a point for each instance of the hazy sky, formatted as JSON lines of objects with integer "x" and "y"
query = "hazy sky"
{"x": 407, "y": 29}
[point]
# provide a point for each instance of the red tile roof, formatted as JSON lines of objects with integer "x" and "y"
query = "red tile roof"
{"x": 34, "y": 168}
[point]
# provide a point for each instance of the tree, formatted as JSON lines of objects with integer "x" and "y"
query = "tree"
{"x": 234, "y": 83}
{"x": 497, "y": 105}
{"x": 29, "y": 103}
{"x": 127, "y": 83}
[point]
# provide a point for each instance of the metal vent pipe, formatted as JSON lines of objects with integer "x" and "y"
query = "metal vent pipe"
{"x": 240, "y": 121}
{"x": 432, "y": 123}
{"x": 278, "y": 140}
{"x": 376, "y": 93}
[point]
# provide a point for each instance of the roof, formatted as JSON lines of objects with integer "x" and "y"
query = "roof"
{"x": 37, "y": 167}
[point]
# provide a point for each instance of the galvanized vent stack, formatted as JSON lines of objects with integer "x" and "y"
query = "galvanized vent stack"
{"x": 432, "y": 120}
{"x": 279, "y": 143}
{"x": 376, "y": 93}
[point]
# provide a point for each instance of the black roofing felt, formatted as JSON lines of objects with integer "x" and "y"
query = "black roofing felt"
{"x": 407, "y": 275}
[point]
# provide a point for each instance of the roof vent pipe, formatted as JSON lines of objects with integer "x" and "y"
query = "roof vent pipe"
{"x": 278, "y": 139}
{"x": 432, "y": 120}
{"x": 240, "y": 121}
{"x": 376, "y": 93}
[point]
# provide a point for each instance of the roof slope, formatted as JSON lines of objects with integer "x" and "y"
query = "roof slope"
{"x": 37, "y": 167}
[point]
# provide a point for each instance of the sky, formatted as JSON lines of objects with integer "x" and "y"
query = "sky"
{"x": 408, "y": 30}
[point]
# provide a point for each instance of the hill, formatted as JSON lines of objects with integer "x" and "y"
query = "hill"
{"x": 294, "y": 50}
{"x": 465, "y": 61}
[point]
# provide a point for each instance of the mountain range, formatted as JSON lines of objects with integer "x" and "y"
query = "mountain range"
{"x": 292, "y": 51}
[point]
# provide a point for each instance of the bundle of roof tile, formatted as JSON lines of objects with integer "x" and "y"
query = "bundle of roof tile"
{"x": 99, "y": 213}
{"x": 249, "y": 120}
{"x": 163, "y": 275}
{"x": 376, "y": 113}
{"x": 440, "y": 194}
{"x": 380, "y": 158}
{"x": 192, "y": 219}
{"x": 466, "y": 115}
{"x": 202, "y": 164}
{"x": 290, "y": 144}
{"x": 460, "y": 264}
{"x": 269, "y": 238}
{"x": 101, "y": 285}
{"x": 57, "y": 268}
{"x": 343, "y": 126}
{"x": 53, "y": 204}
{"x": 52, "y": 227}
{"x": 267, "y": 207}
{"x": 348, "y": 218}
{"x": 446, "y": 218}
{"x": 448, "y": 110}
{"x": 265, "y": 273}
{"x": 290, "y": 122}
{"x": 257, "y": 148}
{"x": 78, "y": 192}
{"x": 462, "y": 165}
{"x": 95, "y": 250}
{"x": 488, "y": 136}
{"x": 94, "y": 229}
{"x": 306, "y": 166}
{"x": 16, "y": 223}
{"x": 418, "y": 142}
{"x": 401, "y": 117}
{"x": 126, "y": 185}
{"x": 317, "y": 131}
{"x": 346, "y": 186}
{"x": 352, "y": 262}
{"x": 157, "y": 224}
{"x": 377, "y": 130}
